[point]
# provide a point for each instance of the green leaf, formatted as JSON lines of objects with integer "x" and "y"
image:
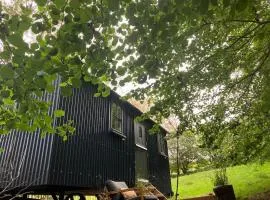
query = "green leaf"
{"x": 85, "y": 16}
{"x": 43, "y": 134}
{"x": 38, "y": 27}
{"x": 59, "y": 3}
{"x": 179, "y": 4}
{"x": 5, "y": 93}
{"x": 106, "y": 93}
{"x": 76, "y": 82}
{"x": 24, "y": 24}
{"x": 53, "y": 52}
{"x": 204, "y": 6}
{"x": 260, "y": 36}
{"x": 41, "y": 2}
{"x": 142, "y": 78}
{"x": 17, "y": 40}
{"x": 121, "y": 71}
{"x": 48, "y": 119}
{"x": 233, "y": 10}
{"x": 65, "y": 138}
{"x": 226, "y": 3}
{"x": 9, "y": 83}
{"x": 163, "y": 4}
{"x": 122, "y": 83}
{"x": 113, "y": 4}
{"x": 74, "y": 4}
{"x": 11, "y": 124}
{"x": 87, "y": 78}
{"x": 214, "y": 2}
{"x": 8, "y": 101}
{"x": 6, "y": 72}
{"x": 59, "y": 113}
{"x": 97, "y": 94}
{"x": 41, "y": 83}
{"x": 66, "y": 90}
{"x": 241, "y": 5}
{"x": 13, "y": 23}
{"x": 104, "y": 78}
{"x": 50, "y": 88}
{"x": 5, "y": 55}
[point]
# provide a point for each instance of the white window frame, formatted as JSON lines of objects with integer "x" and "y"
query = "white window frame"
{"x": 140, "y": 141}
{"x": 113, "y": 116}
{"x": 161, "y": 144}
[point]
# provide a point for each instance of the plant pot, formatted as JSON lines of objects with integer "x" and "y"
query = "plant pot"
{"x": 224, "y": 192}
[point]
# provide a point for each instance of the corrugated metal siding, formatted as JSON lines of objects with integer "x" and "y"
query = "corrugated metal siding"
{"x": 26, "y": 157}
{"x": 95, "y": 154}
{"x": 158, "y": 176}
{"x": 89, "y": 158}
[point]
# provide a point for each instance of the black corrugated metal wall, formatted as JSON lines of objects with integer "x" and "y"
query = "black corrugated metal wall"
{"x": 158, "y": 176}
{"x": 26, "y": 157}
{"x": 103, "y": 154}
{"x": 88, "y": 159}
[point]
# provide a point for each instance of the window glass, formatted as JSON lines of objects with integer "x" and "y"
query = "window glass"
{"x": 161, "y": 144}
{"x": 140, "y": 132}
{"x": 116, "y": 118}
{"x": 140, "y": 135}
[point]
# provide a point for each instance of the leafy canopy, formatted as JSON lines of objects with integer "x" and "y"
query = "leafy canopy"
{"x": 205, "y": 61}
{"x": 212, "y": 71}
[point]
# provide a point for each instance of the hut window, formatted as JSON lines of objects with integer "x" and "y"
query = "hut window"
{"x": 161, "y": 144}
{"x": 140, "y": 135}
{"x": 140, "y": 132}
{"x": 116, "y": 118}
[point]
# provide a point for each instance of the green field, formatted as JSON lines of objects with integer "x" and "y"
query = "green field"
{"x": 247, "y": 180}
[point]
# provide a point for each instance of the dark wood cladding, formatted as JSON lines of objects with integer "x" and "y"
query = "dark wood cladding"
{"x": 87, "y": 159}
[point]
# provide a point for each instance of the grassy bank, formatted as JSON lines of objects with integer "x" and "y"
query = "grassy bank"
{"x": 247, "y": 180}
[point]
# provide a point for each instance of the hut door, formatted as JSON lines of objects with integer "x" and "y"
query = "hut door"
{"x": 141, "y": 154}
{"x": 141, "y": 164}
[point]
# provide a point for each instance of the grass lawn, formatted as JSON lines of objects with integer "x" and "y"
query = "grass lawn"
{"x": 247, "y": 180}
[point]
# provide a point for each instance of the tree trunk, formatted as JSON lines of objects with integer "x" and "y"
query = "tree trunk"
{"x": 184, "y": 168}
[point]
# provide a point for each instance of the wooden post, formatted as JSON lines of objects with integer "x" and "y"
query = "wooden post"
{"x": 177, "y": 165}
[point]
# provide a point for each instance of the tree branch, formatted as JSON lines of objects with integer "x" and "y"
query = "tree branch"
{"x": 250, "y": 21}
{"x": 242, "y": 36}
{"x": 253, "y": 73}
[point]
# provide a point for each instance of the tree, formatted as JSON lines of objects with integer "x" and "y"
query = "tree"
{"x": 189, "y": 152}
{"x": 213, "y": 72}
{"x": 203, "y": 61}
{"x": 71, "y": 41}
